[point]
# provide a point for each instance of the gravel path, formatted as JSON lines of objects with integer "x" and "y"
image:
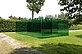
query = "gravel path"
{"x": 9, "y": 45}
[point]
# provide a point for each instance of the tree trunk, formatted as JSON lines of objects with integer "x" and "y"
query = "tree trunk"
{"x": 32, "y": 15}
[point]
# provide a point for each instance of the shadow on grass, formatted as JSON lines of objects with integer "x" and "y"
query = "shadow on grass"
{"x": 25, "y": 50}
{"x": 43, "y": 35}
{"x": 79, "y": 36}
{"x": 60, "y": 48}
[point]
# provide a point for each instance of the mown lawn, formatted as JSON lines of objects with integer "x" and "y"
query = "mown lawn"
{"x": 71, "y": 44}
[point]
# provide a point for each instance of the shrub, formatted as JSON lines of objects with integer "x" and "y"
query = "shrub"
{"x": 35, "y": 25}
{"x": 21, "y": 26}
{"x": 7, "y": 26}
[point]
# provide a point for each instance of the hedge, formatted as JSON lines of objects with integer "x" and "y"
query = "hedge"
{"x": 7, "y": 26}
{"x": 47, "y": 25}
{"x": 21, "y": 26}
{"x": 35, "y": 25}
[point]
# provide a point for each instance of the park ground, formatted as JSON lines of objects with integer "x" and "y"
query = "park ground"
{"x": 20, "y": 43}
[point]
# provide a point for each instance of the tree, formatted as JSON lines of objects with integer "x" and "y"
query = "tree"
{"x": 73, "y": 8}
{"x": 49, "y": 16}
{"x": 62, "y": 16}
{"x": 35, "y": 5}
{"x": 55, "y": 17}
{"x": 15, "y": 18}
{"x": 11, "y": 17}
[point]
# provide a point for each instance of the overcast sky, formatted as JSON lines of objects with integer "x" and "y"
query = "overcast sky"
{"x": 18, "y": 8}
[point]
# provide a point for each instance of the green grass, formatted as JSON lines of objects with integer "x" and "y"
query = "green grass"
{"x": 71, "y": 44}
{"x": 45, "y": 34}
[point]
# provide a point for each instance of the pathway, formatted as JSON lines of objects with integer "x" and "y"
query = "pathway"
{"x": 9, "y": 45}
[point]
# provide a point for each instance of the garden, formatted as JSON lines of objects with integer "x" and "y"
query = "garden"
{"x": 71, "y": 44}
{"x": 48, "y": 43}
{"x": 59, "y": 34}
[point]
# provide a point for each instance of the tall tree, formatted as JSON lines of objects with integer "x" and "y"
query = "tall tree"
{"x": 73, "y": 8}
{"x": 35, "y": 5}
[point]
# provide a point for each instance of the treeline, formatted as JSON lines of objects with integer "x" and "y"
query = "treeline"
{"x": 17, "y": 18}
{"x": 56, "y": 16}
{"x": 13, "y": 25}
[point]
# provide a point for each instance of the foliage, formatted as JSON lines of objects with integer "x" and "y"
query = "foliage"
{"x": 45, "y": 25}
{"x": 13, "y": 18}
{"x": 48, "y": 16}
{"x": 35, "y": 5}
{"x": 33, "y": 25}
{"x": 12, "y": 25}
{"x": 74, "y": 27}
{"x": 16, "y": 18}
{"x": 21, "y": 26}
{"x": 7, "y": 26}
{"x": 62, "y": 16}
{"x": 73, "y": 8}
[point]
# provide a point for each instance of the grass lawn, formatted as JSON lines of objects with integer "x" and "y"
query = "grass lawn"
{"x": 71, "y": 44}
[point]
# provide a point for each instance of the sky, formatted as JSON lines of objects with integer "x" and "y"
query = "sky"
{"x": 18, "y": 8}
